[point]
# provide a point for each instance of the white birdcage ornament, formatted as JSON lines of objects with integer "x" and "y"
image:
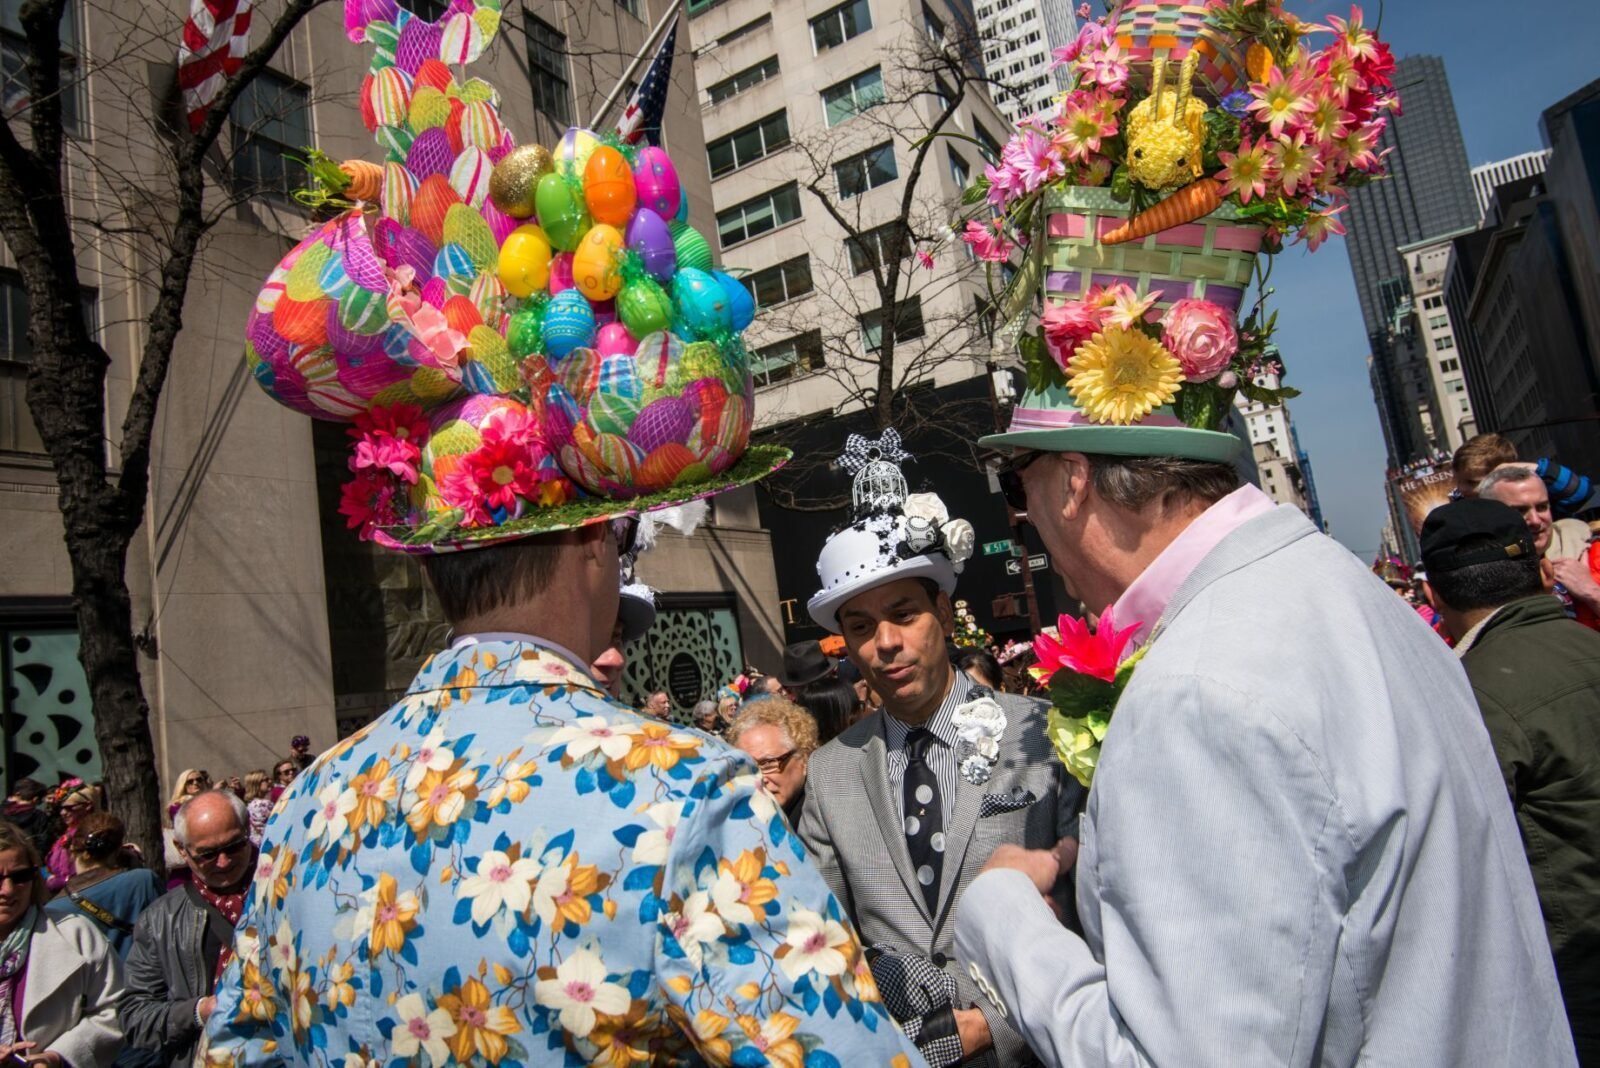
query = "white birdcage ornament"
{"x": 878, "y": 485}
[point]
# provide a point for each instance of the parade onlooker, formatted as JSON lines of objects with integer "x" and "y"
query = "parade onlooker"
{"x": 73, "y": 800}
{"x": 659, "y": 705}
{"x": 110, "y": 886}
{"x": 727, "y": 708}
{"x": 1477, "y": 457}
{"x": 1566, "y": 563}
{"x": 780, "y": 737}
{"x": 1517, "y": 486}
{"x": 981, "y": 667}
{"x": 283, "y": 773}
{"x": 1537, "y": 679}
{"x": 834, "y": 705}
{"x": 25, "y": 807}
{"x": 300, "y": 752}
{"x": 257, "y": 796}
{"x": 768, "y": 686}
{"x": 804, "y": 663}
{"x": 191, "y": 783}
{"x": 705, "y": 717}
{"x": 182, "y": 942}
{"x": 60, "y": 981}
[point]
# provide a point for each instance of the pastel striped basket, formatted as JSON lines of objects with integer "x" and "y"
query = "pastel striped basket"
{"x": 1170, "y": 30}
{"x": 1209, "y": 258}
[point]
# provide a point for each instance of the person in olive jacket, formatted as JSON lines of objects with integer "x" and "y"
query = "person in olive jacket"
{"x": 1536, "y": 675}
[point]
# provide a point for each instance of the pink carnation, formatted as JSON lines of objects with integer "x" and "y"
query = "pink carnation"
{"x": 988, "y": 244}
{"x": 1201, "y": 336}
{"x": 1068, "y": 324}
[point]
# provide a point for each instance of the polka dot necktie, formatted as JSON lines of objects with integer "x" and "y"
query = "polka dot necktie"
{"x": 924, "y": 816}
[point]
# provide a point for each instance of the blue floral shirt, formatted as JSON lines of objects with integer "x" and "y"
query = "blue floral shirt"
{"x": 509, "y": 868}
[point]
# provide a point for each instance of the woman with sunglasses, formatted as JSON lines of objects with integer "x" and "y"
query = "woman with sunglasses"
{"x": 283, "y": 773}
{"x": 74, "y": 799}
{"x": 60, "y": 982}
{"x": 193, "y": 781}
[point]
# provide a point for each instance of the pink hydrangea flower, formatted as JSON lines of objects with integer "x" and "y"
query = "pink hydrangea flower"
{"x": 1201, "y": 336}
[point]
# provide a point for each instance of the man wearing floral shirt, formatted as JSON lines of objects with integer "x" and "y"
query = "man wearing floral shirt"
{"x": 511, "y": 868}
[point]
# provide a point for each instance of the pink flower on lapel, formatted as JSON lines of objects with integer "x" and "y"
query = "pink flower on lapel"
{"x": 1096, "y": 653}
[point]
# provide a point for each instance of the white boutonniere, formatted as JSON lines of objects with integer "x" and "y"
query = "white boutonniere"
{"x": 980, "y": 723}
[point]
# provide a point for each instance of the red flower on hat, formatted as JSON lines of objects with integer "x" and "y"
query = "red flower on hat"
{"x": 1095, "y": 653}
{"x": 368, "y": 501}
{"x": 389, "y": 438}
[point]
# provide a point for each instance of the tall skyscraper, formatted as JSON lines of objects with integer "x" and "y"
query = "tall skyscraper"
{"x": 1018, "y": 37}
{"x": 1428, "y": 193}
{"x": 1487, "y": 177}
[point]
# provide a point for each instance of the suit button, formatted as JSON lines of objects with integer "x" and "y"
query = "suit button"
{"x": 940, "y": 960}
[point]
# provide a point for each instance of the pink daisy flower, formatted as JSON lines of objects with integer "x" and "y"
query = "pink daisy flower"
{"x": 1247, "y": 171}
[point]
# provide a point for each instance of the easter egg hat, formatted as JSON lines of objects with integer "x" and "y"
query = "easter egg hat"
{"x": 503, "y": 374}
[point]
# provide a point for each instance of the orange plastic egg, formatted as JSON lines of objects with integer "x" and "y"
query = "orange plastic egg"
{"x": 608, "y": 187}
{"x": 595, "y": 263}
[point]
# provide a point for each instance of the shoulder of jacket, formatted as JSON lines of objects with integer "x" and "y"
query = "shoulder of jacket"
{"x": 75, "y": 930}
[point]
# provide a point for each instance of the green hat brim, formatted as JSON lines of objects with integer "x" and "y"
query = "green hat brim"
{"x": 1185, "y": 442}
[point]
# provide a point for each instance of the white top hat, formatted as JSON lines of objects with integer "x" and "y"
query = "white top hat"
{"x": 895, "y": 535}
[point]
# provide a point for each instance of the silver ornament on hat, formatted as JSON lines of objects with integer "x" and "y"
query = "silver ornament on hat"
{"x": 878, "y": 485}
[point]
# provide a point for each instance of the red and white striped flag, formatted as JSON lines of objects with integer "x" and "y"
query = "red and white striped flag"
{"x": 216, "y": 36}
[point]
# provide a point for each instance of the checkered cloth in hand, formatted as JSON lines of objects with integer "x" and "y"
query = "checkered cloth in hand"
{"x": 914, "y": 990}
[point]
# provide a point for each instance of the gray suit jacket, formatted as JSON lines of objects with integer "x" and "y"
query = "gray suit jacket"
{"x": 850, "y": 824}
{"x": 1297, "y": 850}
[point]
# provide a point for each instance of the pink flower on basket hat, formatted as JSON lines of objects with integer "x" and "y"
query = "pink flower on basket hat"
{"x": 1068, "y": 324}
{"x": 987, "y": 243}
{"x": 1095, "y": 653}
{"x": 368, "y": 501}
{"x": 1201, "y": 336}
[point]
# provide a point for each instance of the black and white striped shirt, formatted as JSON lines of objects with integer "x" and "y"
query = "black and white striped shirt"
{"x": 941, "y": 757}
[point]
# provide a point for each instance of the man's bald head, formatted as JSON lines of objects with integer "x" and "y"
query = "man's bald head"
{"x": 213, "y": 832}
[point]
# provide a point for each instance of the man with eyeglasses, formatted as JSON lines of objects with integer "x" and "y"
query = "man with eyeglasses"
{"x": 183, "y": 941}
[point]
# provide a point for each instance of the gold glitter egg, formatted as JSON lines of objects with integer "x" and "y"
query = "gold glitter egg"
{"x": 512, "y": 184}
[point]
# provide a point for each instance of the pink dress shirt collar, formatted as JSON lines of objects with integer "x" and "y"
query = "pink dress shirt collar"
{"x": 1147, "y": 598}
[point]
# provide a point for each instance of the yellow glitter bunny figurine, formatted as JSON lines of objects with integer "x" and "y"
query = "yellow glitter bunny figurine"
{"x": 1166, "y": 135}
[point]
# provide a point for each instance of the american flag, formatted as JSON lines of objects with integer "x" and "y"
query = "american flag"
{"x": 642, "y": 116}
{"x": 216, "y": 36}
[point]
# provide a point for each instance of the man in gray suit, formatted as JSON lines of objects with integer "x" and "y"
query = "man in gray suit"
{"x": 1296, "y": 849}
{"x": 903, "y": 808}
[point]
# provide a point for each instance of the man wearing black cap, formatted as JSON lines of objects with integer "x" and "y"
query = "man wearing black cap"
{"x": 1536, "y": 675}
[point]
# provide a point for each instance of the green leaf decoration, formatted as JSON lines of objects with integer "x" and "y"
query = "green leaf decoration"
{"x": 976, "y": 192}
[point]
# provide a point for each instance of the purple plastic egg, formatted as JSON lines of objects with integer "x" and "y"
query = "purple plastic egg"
{"x": 663, "y": 421}
{"x": 647, "y": 234}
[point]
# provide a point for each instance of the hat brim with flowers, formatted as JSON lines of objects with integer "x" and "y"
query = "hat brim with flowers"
{"x": 522, "y": 340}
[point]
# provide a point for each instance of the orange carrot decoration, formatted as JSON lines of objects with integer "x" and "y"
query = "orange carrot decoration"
{"x": 1192, "y": 202}
{"x": 366, "y": 179}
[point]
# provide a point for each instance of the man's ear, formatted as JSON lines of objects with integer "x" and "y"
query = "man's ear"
{"x": 1431, "y": 597}
{"x": 591, "y": 542}
{"x": 946, "y": 613}
{"x": 1076, "y": 475}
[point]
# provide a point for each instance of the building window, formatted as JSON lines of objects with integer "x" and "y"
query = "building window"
{"x": 1455, "y": 385}
{"x": 908, "y": 324}
{"x": 1432, "y": 302}
{"x": 866, "y": 170}
{"x": 878, "y": 246}
{"x": 17, "y": 432}
{"x": 840, "y": 24}
{"x": 759, "y": 23}
{"x": 789, "y": 358}
{"x": 16, "y": 94}
{"x": 990, "y": 149}
{"x": 756, "y": 216}
{"x": 1446, "y": 366}
{"x": 1438, "y": 322}
{"x": 1440, "y": 343}
{"x": 933, "y": 26}
{"x": 632, "y": 7}
{"x": 788, "y": 280}
{"x": 697, "y": 7}
{"x": 960, "y": 173}
{"x": 547, "y": 69}
{"x": 271, "y": 122}
{"x": 852, "y": 96}
{"x": 745, "y": 79}
{"x": 745, "y": 146}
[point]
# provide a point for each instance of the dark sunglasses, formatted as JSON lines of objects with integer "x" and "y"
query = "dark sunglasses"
{"x": 207, "y": 855}
{"x": 625, "y": 530}
{"x": 1010, "y": 478}
{"x": 19, "y": 876}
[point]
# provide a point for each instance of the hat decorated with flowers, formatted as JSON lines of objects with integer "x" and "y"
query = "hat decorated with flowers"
{"x": 1192, "y": 142}
{"x": 893, "y": 533}
{"x": 520, "y": 339}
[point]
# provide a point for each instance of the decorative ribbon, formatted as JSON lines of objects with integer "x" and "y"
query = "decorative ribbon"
{"x": 859, "y": 451}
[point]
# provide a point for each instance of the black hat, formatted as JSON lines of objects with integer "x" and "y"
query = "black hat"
{"x": 804, "y": 663}
{"x": 1473, "y": 531}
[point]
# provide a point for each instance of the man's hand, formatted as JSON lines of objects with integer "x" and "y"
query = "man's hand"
{"x": 1574, "y": 575}
{"x": 205, "y": 1007}
{"x": 1041, "y": 866}
{"x": 973, "y": 1030}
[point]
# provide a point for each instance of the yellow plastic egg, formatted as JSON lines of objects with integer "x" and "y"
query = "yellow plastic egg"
{"x": 595, "y": 263}
{"x": 525, "y": 261}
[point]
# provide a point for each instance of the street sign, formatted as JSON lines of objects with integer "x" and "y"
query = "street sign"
{"x": 1035, "y": 563}
{"x": 995, "y": 548}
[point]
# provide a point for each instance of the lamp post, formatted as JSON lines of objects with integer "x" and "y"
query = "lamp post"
{"x": 1018, "y": 520}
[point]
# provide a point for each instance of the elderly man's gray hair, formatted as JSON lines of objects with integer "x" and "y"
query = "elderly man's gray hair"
{"x": 180, "y": 822}
{"x": 1510, "y": 474}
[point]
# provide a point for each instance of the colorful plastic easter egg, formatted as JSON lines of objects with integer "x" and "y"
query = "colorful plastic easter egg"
{"x": 428, "y": 208}
{"x": 469, "y": 175}
{"x": 656, "y": 180}
{"x": 741, "y": 305}
{"x": 683, "y": 206}
{"x": 701, "y": 307}
{"x": 568, "y": 323}
{"x": 525, "y": 261}
{"x": 669, "y": 419}
{"x": 648, "y": 235}
{"x": 644, "y": 307}
{"x": 525, "y": 332}
{"x": 561, "y": 273}
{"x": 608, "y": 187}
{"x": 572, "y": 154}
{"x": 560, "y": 213}
{"x": 614, "y": 339}
{"x": 692, "y": 248}
{"x": 595, "y": 263}
{"x": 613, "y": 413}
{"x": 516, "y": 179}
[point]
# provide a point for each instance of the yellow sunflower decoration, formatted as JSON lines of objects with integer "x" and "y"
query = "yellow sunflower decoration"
{"x": 1119, "y": 376}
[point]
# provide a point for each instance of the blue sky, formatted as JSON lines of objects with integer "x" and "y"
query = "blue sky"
{"x": 1506, "y": 63}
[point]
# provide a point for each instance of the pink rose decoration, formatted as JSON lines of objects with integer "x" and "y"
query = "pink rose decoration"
{"x": 1068, "y": 324}
{"x": 1201, "y": 336}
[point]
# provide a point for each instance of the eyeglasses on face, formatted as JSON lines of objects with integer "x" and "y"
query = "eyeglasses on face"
{"x": 18, "y": 877}
{"x": 284, "y": 769}
{"x": 205, "y": 856}
{"x": 774, "y": 765}
{"x": 625, "y": 529}
{"x": 76, "y": 806}
{"x": 1010, "y": 478}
